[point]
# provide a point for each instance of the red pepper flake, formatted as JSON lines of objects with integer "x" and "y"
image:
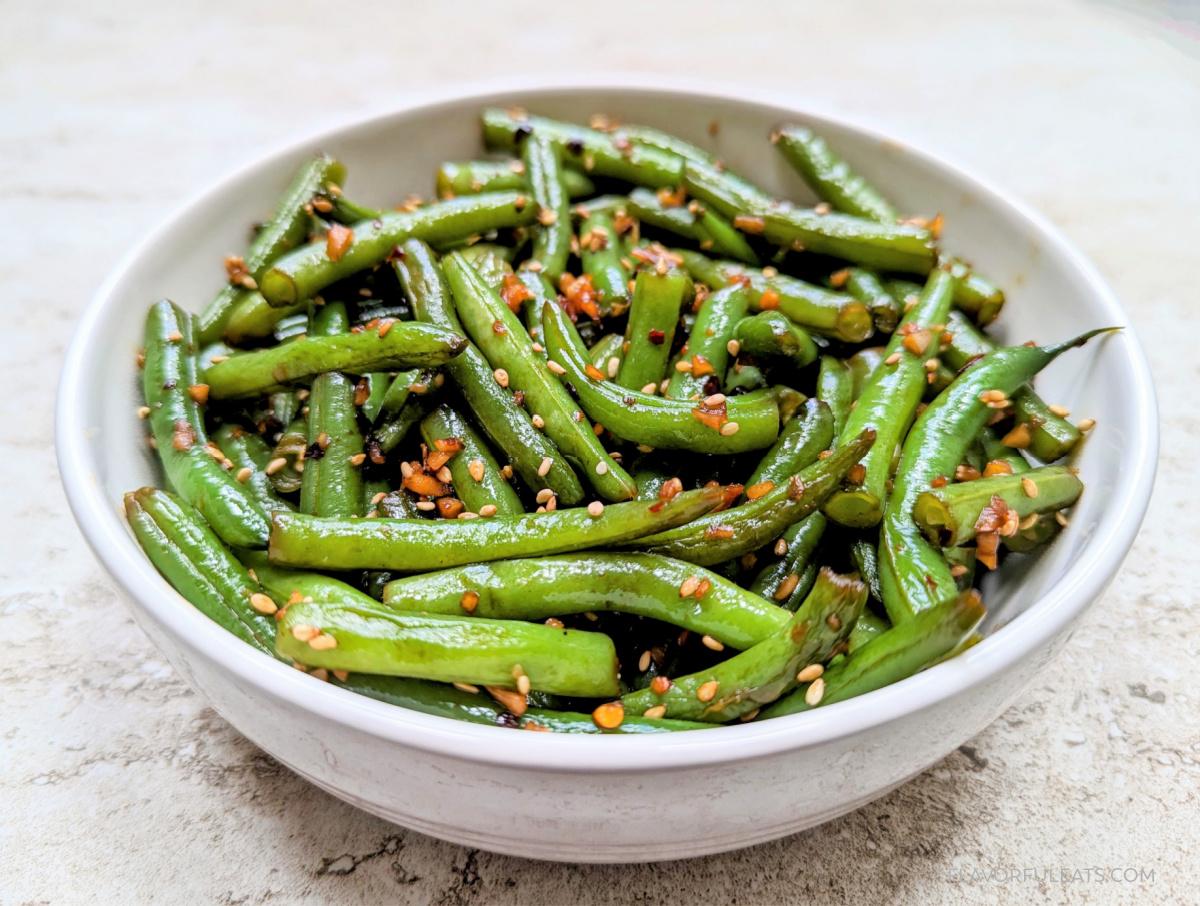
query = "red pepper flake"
{"x": 935, "y": 226}
{"x": 732, "y": 493}
{"x": 966, "y": 473}
{"x": 719, "y": 532}
{"x": 498, "y": 328}
{"x": 670, "y": 488}
{"x": 660, "y": 685}
{"x": 198, "y": 393}
{"x": 737, "y": 277}
{"x": 939, "y": 482}
{"x": 449, "y": 445}
{"x": 425, "y": 485}
{"x": 857, "y": 473}
{"x": 986, "y": 546}
{"x": 658, "y": 255}
{"x": 917, "y": 341}
{"x": 581, "y": 296}
{"x": 449, "y": 507}
{"x": 758, "y": 490}
{"x": 769, "y": 300}
{"x": 385, "y": 324}
{"x": 437, "y": 459}
{"x": 337, "y": 240}
{"x": 657, "y": 337}
{"x": 657, "y": 507}
{"x": 997, "y": 467}
{"x": 514, "y": 292}
{"x": 675, "y": 198}
{"x": 593, "y": 372}
{"x": 235, "y": 268}
{"x": 796, "y": 488}
{"x": 838, "y": 279}
{"x": 185, "y": 435}
{"x": 749, "y": 224}
{"x": 701, "y": 366}
{"x": 623, "y": 223}
{"x": 469, "y": 601}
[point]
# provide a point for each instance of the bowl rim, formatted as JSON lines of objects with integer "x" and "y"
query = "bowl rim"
{"x": 1045, "y": 619}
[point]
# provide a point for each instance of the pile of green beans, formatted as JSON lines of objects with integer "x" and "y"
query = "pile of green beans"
{"x": 603, "y": 439}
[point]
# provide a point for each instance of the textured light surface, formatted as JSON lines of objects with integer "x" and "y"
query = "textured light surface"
{"x": 120, "y": 786}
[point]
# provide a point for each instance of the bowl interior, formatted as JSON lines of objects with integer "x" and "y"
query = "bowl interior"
{"x": 1052, "y": 295}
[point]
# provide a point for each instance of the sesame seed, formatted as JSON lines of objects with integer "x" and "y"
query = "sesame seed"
{"x": 732, "y": 347}
{"x": 1029, "y": 486}
{"x": 555, "y": 367}
{"x": 544, "y": 494}
{"x": 708, "y": 691}
{"x": 501, "y": 377}
{"x": 475, "y": 468}
{"x": 544, "y": 468}
{"x": 814, "y": 693}
{"x": 1061, "y": 519}
{"x": 218, "y": 359}
{"x": 304, "y": 633}
{"x": 488, "y": 509}
{"x": 614, "y": 365}
{"x": 644, "y": 662}
{"x": 931, "y": 364}
{"x": 746, "y": 718}
{"x": 781, "y": 547}
{"x": 406, "y": 469}
{"x": 729, "y": 429}
{"x": 1060, "y": 411}
{"x": 174, "y": 336}
{"x": 595, "y": 509}
{"x": 958, "y": 569}
{"x": 609, "y": 716}
{"x": 656, "y": 712}
{"x": 262, "y": 603}
{"x": 809, "y": 673}
{"x": 601, "y": 468}
{"x": 688, "y": 587}
{"x": 506, "y": 472}
{"x": 426, "y": 505}
{"x": 466, "y": 687}
{"x": 710, "y": 642}
{"x": 341, "y": 675}
{"x": 1087, "y": 424}
{"x": 322, "y": 642}
{"x": 1028, "y": 522}
{"x": 787, "y": 586}
{"x": 243, "y": 474}
{"x": 683, "y": 365}
{"x": 650, "y": 388}
{"x": 320, "y": 674}
{"x": 892, "y": 359}
{"x": 468, "y": 515}
{"x": 538, "y": 421}
{"x": 443, "y": 475}
{"x": 143, "y": 412}
{"x": 358, "y": 459}
{"x": 275, "y": 465}
{"x": 591, "y": 616}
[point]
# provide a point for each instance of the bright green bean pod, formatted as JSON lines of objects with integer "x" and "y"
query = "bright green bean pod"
{"x": 948, "y": 515}
{"x": 419, "y": 545}
{"x": 727, "y": 534}
{"x": 994, "y": 451}
{"x": 653, "y": 317}
{"x": 389, "y": 433}
{"x": 708, "y": 230}
{"x": 596, "y": 153}
{"x": 301, "y": 274}
{"x": 472, "y": 177}
{"x": 331, "y": 483}
{"x": 817, "y": 310}
{"x": 510, "y": 352}
{"x": 760, "y": 675}
{"x": 661, "y": 423}
{"x": 864, "y": 553}
{"x": 892, "y": 656}
{"x": 250, "y": 455}
{"x": 867, "y": 627}
{"x": 801, "y": 441}
{"x": 600, "y": 251}
{"x": 835, "y": 388}
{"x": 475, "y": 472}
{"x": 889, "y": 402}
{"x": 1051, "y": 437}
{"x": 976, "y": 295}
{"x": 770, "y": 334}
{"x": 708, "y": 342}
{"x": 388, "y": 394}
{"x": 285, "y": 230}
{"x": 189, "y": 555}
{"x": 552, "y": 237}
{"x": 374, "y": 639}
{"x": 404, "y": 345}
{"x": 829, "y": 176}
{"x": 913, "y": 575}
{"x": 894, "y": 246}
{"x": 863, "y": 365}
{"x": 802, "y": 539}
{"x": 639, "y": 584}
{"x": 505, "y": 423}
{"x": 865, "y": 286}
{"x": 171, "y": 390}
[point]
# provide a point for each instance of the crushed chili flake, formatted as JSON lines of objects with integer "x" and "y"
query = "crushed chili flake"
{"x": 581, "y": 296}
{"x": 769, "y": 300}
{"x": 449, "y": 444}
{"x": 986, "y": 546}
{"x": 425, "y": 485}
{"x": 857, "y": 473}
{"x": 714, "y": 417}
{"x": 997, "y": 467}
{"x": 449, "y": 507}
{"x": 701, "y": 366}
{"x": 719, "y": 532}
{"x": 593, "y": 372}
{"x": 672, "y": 198}
{"x": 939, "y": 482}
{"x": 337, "y": 241}
{"x": 966, "y": 473}
{"x": 514, "y": 292}
{"x": 748, "y": 224}
{"x": 838, "y": 279}
{"x": 185, "y": 435}
{"x": 670, "y": 488}
{"x": 796, "y": 488}
{"x": 758, "y": 490}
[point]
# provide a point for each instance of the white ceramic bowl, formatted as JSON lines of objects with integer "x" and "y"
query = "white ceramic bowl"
{"x": 613, "y": 799}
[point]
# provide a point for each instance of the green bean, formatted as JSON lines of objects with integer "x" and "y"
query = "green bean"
{"x": 708, "y": 343}
{"x": 650, "y": 137}
{"x": 1027, "y": 539}
{"x": 475, "y": 472}
{"x": 399, "y": 504}
{"x": 801, "y": 441}
{"x": 893, "y": 655}
{"x": 596, "y": 153}
{"x": 733, "y": 533}
{"x": 995, "y": 451}
{"x": 758, "y": 676}
{"x": 386, "y": 395}
{"x": 867, "y": 627}
{"x": 949, "y": 515}
{"x": 329, "y": 320}
{"x": 404, "y": 345}
{"x": 172, "y": 392}
{"x": 332, "y": 482}
{"x": 976, "y": 295}
{"x": 889, "y": 402}
{"x": 539, "y": 291}
{"x": 769, "y": 334}
{"x": 913, "y": 575}
{"x": 388, "y": 434}
{"x": 863, "y": 365}
{"x": 653, "y": 317}
{"x": 306, "y": 271}
{"x": 600, "y": 253}
{"x": 817, "y": 310}
{"x": 418, "y": 545}
{"x": 507, "y": 424}
{"x": 865, "y": 286}
{"x": 1050, "y": 436}
{"x": 708, "y": 230}
{"x": 895, "y": 247}
{"x": 641, "y": 584}
{"x": 475, "y": 176}
{"x": 661, "y": 423}
{"x": 801, "y": 539}
{"x": 835, "y": 387}
{"x": 372, "y": 639}
{"x": 649, "y": 480}
{"x": 510, "y": 352}
{"x": 743, "y": 376}
{"x": 189, "y": 555}
{"x": 829, "y": 176}
{"x": 286, "y": 230}
{"x": 250, "y": 456}
{"x": 962, "y": 562}
{"x": 291, "y": 448}
{"x": 864, "y": 553}
{"x": 253, "y": 318}
{"x": 604, "y": 350}
{"x": 552, "y": 237}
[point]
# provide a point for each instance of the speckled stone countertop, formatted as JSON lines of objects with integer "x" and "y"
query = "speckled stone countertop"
{"x": 117, "y": 784}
